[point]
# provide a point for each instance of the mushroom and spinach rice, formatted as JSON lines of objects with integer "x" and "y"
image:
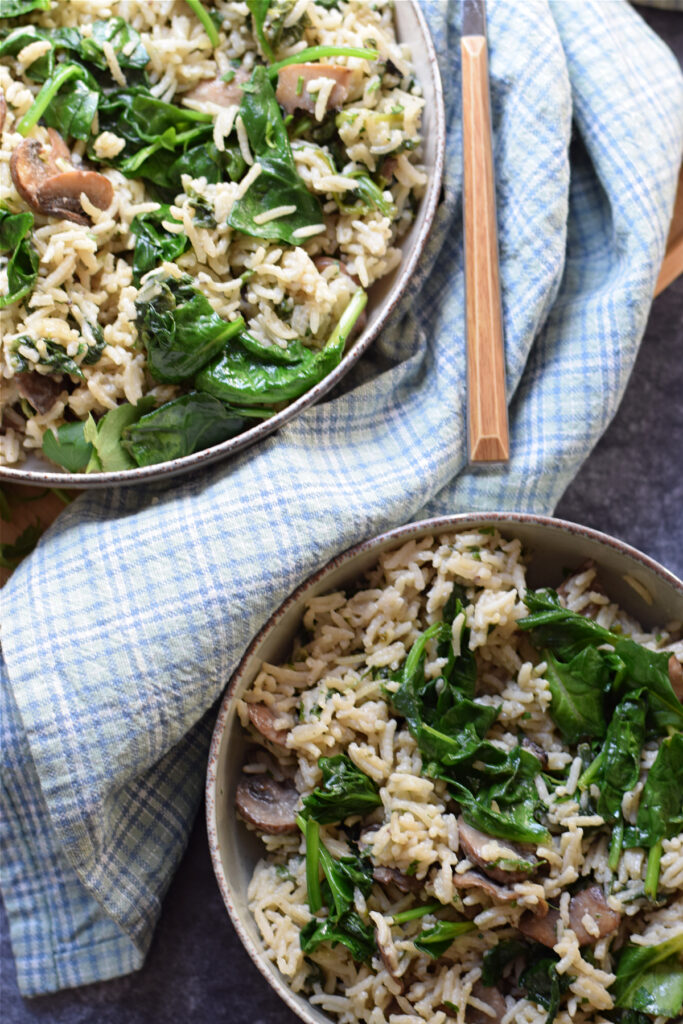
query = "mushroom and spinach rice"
{"x": 470, "y": 796}
{"x": 194, "y": 200}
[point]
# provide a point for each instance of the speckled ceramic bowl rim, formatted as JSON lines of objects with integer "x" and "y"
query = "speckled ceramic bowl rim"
{"x": 434, "y": 526}
{"x": 190, "y": 463}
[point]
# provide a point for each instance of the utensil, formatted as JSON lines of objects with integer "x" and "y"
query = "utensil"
{"x": 411, "y": 28}
{"x": 641, "y": 586}
{"x": 488, "y": 438}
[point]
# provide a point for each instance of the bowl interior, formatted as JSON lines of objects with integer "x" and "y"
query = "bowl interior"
{"x": 383, "y": 295}
{"x": 639, "y": 585}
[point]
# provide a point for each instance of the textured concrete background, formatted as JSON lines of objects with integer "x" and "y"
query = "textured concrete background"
{"x": 631, "y": 486}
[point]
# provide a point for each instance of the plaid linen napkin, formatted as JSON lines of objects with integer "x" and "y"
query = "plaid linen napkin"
{"x": 121, "y": 630}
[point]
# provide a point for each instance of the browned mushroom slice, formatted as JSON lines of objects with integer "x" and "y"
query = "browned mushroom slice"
{"x": 676, "y": 676}
{"x": 215, "y": 90}
{"x": 592, "y": 901}
{"x": 263, "y": 718}
{"x": 292, "y": 86}
{"x": 61, "y": 194}
{"x": 45, "y": 179}
{"x": 392, "y": 876}
{"x": 537, "y": 751}
{"x": 509, "y": 863}
{"x": 540, "y": 929}
{"x": 473, "y": 880}
{"x": 588, "y": 901}
{"x": 3, "y": 110}
{"x": 41, "y": 391}
{"x": 493, "y": 998}
{"x": 267, "y": 804}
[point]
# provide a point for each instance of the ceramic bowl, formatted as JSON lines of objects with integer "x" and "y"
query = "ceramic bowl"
{"x": 383, "y": 296}
{"x": 640, "y": 585}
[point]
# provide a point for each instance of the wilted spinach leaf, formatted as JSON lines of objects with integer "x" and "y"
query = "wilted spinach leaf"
{"x": 72, "y": 109}
{"x": 365, "y": 196}
{"x": 15, "y": 8}
{"x": 109, "y": 455}
{"x": 55, "y": 358}
{"x": 349, "y": 930}
{"x": 345, "y": 790}
{"x": 279, "y": 183}
{"x": 496, "y": 959}
{"x": 434, "y": 941}
{"x": 153, "y": 243}
{"x": 182, "y": 426}
{"x": 22, "y": 266}
{"x": 620, "y": 765}
{"x": 178, "y": 327}
{"x": 634, "y": 667}
{"x": 247, "y": 372}
{"x": 660, "y": 811}
{"x": 124, "y": 39}
{"x": 650, "y": 978}
{"x": 450, "y": 731}
{"x": 578, "y": 691}
{"x": 68, "y": 447}
{"x": 541, "y": 983}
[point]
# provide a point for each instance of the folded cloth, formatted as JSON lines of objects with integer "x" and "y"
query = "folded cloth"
{"x": 123, "y": 627}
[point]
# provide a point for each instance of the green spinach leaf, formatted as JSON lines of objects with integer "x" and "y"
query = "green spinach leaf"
{"x": 345, "y": 790}
{"x": 55, "y": 358}
{"x": 495, "y": 960}
{"x": 178, "y": 327}
{"x": 109, "y": 455}
{"x": 240, "y": 375}
{"x": 22, "y": 266}
{"x": 436, "y": 940}
{"x": 278, "y": 183}
{"x": 153, "y": 243}
{"x": 348, "y": 930}
{"x": 620, "y": 765}
{"x": 650, "y": 978}
{"x": 15, "y": 8}
{"x": 578, "y": 694}
{"x": 541, "y": 983}
{"x": 68, "y": 447}
{"x": 182, "y": 426}
{"x": 660, "y": 811}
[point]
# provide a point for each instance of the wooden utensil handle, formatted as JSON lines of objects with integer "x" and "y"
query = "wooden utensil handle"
{"x": 487, "y": 407}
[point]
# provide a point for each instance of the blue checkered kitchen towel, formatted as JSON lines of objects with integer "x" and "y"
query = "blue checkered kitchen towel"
{"x": 123, "y": 627}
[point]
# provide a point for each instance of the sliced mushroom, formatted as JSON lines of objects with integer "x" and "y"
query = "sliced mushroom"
{"x": 12, "y": 419}
{"x": 267, "y": 804}
{"x": 292, "y": 86}
{"x": 475, "y": 844}
{"x": 45, "y": 179}
{"x": 473, "y": 880}
{"x": 41, "y": 391}
{"x": 493, "y": 998}
{"x": 215, "y": 90}
{"x": 537, "y": 751}
{"x": 385, "y": 945}
{"x": 3, "y": 110}
{"x": 263, "y": 718}
{"x": 60, "y": 196}
{"x": 588, "y": 901}
{"x": 392, "y": 876}
{"x": 676, "y": 676}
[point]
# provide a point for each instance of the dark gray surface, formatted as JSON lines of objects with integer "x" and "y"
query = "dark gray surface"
{"x": 631, "y": 486}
